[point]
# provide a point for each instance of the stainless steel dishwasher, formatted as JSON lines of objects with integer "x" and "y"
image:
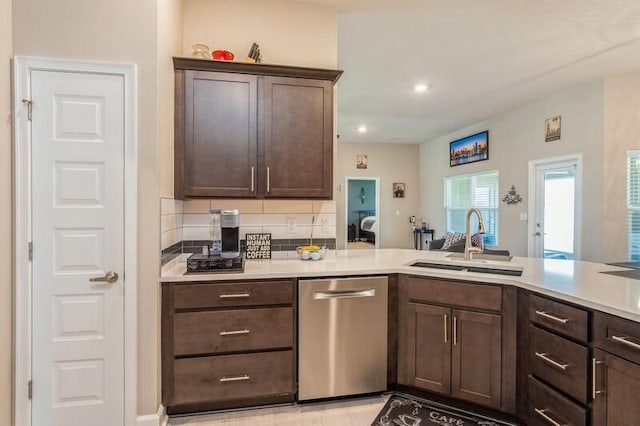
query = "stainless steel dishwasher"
{"x": 342, "y": 347}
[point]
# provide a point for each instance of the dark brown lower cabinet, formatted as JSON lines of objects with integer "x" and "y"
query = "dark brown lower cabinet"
{"x": 228, "y": 344}
{"x": 617, "y": 387}
{"x": 548, "y": 407}
{"x": 476, "y": 357}
{"x": 455, "y": 352}
{"x": 429, "y": 347}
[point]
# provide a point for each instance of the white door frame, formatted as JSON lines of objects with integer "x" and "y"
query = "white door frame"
{"x": 533, "y": 195}
{"x": 346, "y": 206}
{"x": 22, "y": 227}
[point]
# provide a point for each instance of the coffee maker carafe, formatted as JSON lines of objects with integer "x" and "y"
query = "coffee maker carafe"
{"x": 230, "y": 227}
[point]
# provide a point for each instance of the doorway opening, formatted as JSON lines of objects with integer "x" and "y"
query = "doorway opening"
{"x": 553, "y": 209}
{"x": 362, "y": 212}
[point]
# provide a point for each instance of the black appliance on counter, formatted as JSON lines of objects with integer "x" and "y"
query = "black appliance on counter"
{"x": 230, "y": 226}
{"x": 230, "y": 258}
{"x": 212, "y": 264}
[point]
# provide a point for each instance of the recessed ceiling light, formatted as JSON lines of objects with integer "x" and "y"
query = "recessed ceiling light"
{"x": 420, "y": 88}
{"x": 362, "y": 129}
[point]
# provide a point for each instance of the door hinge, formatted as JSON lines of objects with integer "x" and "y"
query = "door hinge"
{"x": 30, "y": 250}
{"x": 30, "y": 389}
{"x": 29, "y": 104}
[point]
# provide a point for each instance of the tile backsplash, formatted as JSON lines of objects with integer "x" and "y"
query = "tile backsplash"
{"x": 288, "y": 221}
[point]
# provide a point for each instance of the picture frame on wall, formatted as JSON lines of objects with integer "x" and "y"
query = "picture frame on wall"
{"x": 398, "y": 189}
{"x": 361, "y": 161}
{"x": 469, "y": 149}
{"x": 552, "y": 128}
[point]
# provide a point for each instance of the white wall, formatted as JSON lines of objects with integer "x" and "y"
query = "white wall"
{"x": 621, "y": 133}
{"x": 169, "y": 31}
{"x": 5, "y": 216}
{"x": 288, "y": 33}
{"x": 391, "y": 163}
{"x": 515, "y": 138}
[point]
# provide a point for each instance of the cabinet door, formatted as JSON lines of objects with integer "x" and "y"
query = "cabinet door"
{"x": 298, "y": 137}
{"x": 617, "y": 382}
{"x": 220, "y": 136}
{"x": 429, "y": 347}
{"x": 476, "y": 357}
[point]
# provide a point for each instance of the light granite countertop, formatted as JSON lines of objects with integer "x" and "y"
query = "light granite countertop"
{"x": 574, "y": 281}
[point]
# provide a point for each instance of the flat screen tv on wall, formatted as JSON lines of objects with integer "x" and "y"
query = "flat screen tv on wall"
{"x": 469, "y": 149}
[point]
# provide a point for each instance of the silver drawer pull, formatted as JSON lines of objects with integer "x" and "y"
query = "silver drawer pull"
{"x": 552, "y": 317}
{"x": 446, "y": 334}
{"x": 234, "y": 295}
{"x": 626, "y": 341}
{"x": 253, "y": 179}
{"x": 235, "y": 378}
{"x": 545, "y": 357}
{"x": 344, "y": 294}
{"x": 544, "y": 415}
{"x": 594, "y": 373}
{"x": 234, "y": 332}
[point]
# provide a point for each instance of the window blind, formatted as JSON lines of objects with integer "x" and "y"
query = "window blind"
{"x": 633, "y": 205}
{"x": 479, "y": 190}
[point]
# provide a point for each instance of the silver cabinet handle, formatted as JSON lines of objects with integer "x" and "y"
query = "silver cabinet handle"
{"x": 235, "y": 378}
{"x": 552, "y": 317}
{"x": 234, "y": 296}
{"x": 234, "y": 332}
{"x": 594, "y": 370}
{"x": 455, "y": 331}
{"x": 109, "y": 278}
{"x": 446, "y": 334}
{"x": 268, "y": 179}
{"x": 344, "y": 294}
{"x": 253, "y": 179}
{"x": 625, "y": 341}
{"x": 545, "y": 357}
{"x": 543, "y": 413}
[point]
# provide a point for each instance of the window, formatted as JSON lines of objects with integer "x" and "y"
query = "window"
{"x": 633, "y": 205}
{"x": 478, "y": 190}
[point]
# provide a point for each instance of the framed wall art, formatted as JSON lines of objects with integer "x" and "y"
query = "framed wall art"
{"x": 398, "y": 189}
{"x": 361, "y": 161}
{"x": 552, "y": 129}
{"x": 469, "y": 149}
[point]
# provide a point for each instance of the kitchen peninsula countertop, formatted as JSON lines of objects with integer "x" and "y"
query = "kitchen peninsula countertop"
{"x": 578, "y": 282}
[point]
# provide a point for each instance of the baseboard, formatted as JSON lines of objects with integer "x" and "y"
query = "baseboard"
{"x": 158, "y": 419}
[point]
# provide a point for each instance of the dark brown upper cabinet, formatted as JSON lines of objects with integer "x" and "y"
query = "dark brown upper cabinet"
{"x": 253, "y": 131}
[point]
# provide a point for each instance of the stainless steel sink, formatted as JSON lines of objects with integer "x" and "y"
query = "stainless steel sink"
{"x": 514, "y": 271}
{"x": 478, "y": 257}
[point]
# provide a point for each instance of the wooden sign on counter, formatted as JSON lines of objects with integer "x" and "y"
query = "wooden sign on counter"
{"x": 258, "y": 246}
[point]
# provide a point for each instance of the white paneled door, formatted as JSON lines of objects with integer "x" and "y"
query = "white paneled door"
{"x": 77, "y": 174}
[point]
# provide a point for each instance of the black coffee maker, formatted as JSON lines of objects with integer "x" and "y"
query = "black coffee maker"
{"x": 230, "y": 229}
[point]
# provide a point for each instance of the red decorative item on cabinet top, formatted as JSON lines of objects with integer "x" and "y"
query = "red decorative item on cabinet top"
{"x": 222, "y": 55}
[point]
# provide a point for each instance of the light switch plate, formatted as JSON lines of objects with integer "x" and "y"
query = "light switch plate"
{"x": 291, "y": 225}
{"x": 524, "y": 217}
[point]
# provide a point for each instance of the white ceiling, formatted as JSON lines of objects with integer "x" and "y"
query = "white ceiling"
{"x": 480, "y": 58}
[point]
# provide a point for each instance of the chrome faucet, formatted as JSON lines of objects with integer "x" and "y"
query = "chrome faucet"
{"x": 468, "y": 248}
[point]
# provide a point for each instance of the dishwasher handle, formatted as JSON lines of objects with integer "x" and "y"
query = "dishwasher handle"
{"x": 343, "y": 294}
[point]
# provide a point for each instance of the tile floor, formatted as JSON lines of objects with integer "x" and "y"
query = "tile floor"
{"x": 350, "y": 412}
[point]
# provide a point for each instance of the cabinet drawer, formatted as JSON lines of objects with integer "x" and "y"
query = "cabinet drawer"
{"x": 617, "y": 335}
{"x": 468, "y": 295}
{"x": 547, "y": 406}
{"x": 233, "y": 330}
{"x": 560, "y": 362}
{"x": 219, "y": 295}
{"x": 564, "y": 319}
{"x": 231, "y": 377}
